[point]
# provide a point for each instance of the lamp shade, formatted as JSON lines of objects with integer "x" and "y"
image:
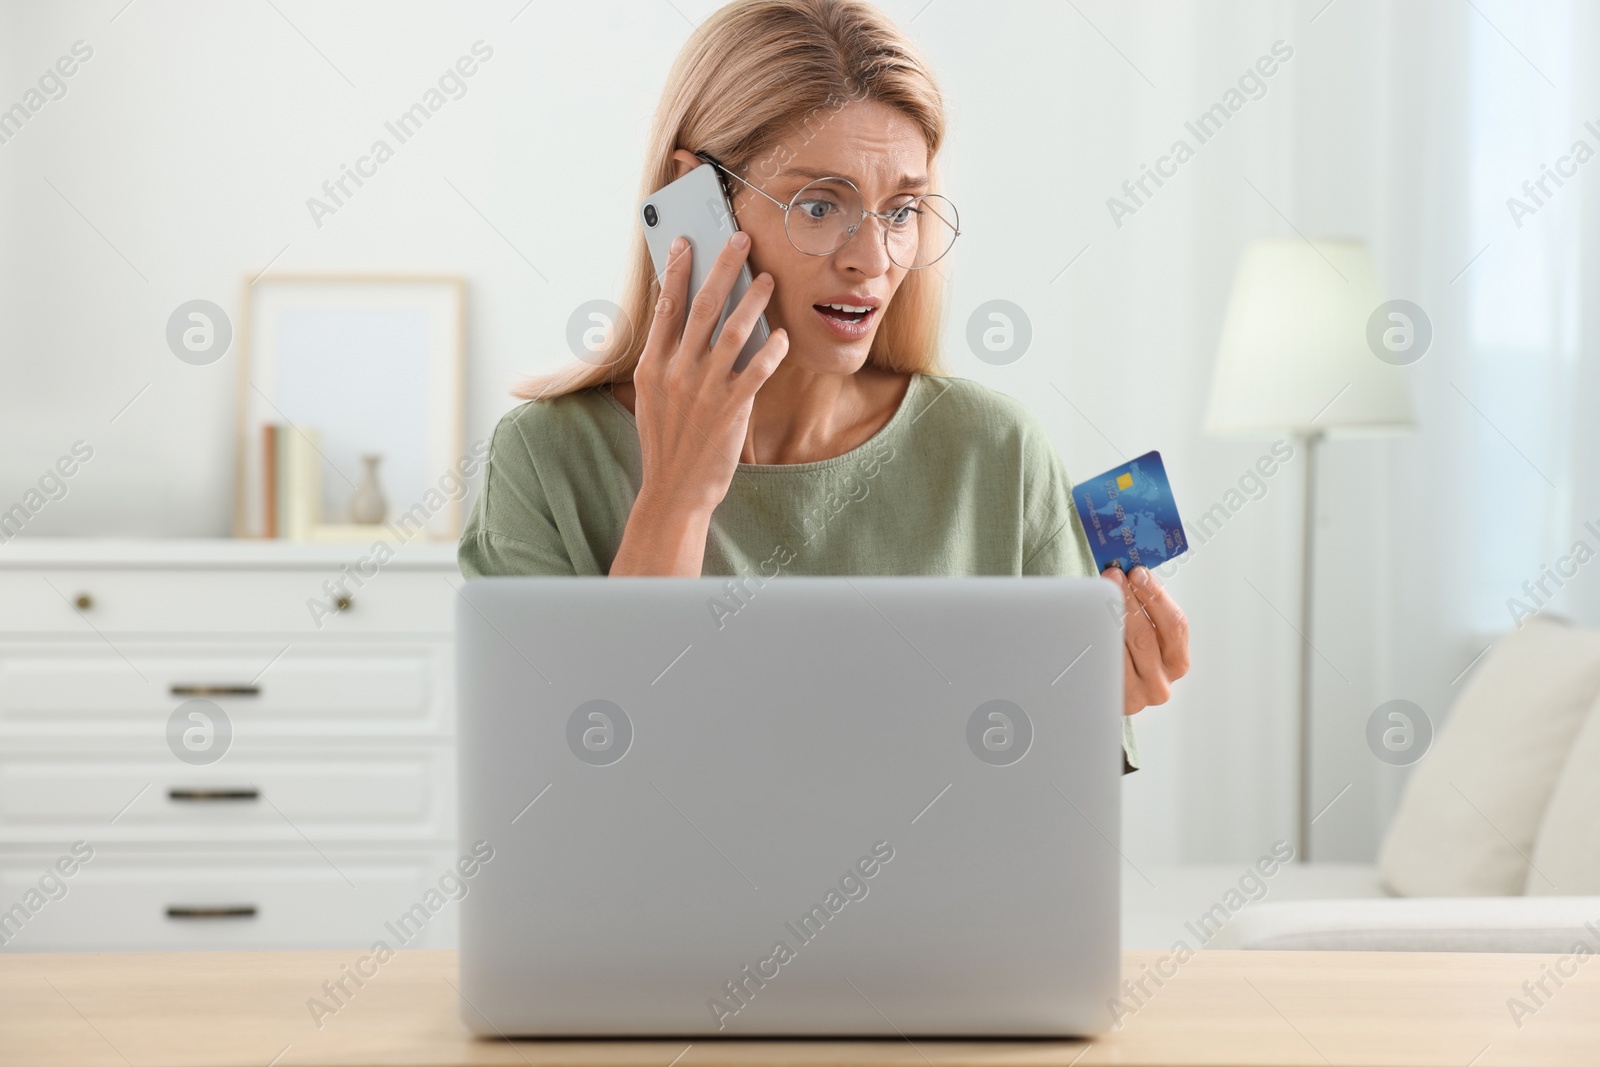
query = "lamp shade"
{"x": 1295, "y": 339}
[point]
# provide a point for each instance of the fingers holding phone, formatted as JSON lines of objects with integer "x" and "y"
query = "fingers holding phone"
{"x": 707, "y": 353}
{"x": 691, "y": 408}
{"x": 708, "y": 308}
{"x": 737, "y": 330}
{"x": 695, "y": 207}
{"x": 682, "y": 329}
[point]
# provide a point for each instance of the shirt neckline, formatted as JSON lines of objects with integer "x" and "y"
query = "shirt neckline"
{"x": 870, "y": 445}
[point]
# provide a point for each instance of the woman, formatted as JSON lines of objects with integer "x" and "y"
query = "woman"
{"x": 840, "y": 449}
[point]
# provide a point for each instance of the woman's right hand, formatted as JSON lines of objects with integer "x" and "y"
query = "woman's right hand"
{"x": 692, "y": 410}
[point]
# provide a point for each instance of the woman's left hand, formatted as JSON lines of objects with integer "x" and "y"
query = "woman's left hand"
{"x": 1156, "y": 641}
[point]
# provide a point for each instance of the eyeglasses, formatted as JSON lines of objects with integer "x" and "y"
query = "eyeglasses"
{"x": 823, "y": 216}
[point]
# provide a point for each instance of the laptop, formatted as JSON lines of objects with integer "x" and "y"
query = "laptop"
{"x": 800, "y": 807}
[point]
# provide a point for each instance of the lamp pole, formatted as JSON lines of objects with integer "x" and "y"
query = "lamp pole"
{"x": 1310, "y": 440}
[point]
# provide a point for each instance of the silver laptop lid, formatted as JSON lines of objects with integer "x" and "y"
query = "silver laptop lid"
{"x": 812, "y": 806}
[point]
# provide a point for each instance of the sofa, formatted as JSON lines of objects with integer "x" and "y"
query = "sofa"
{"x": 1495, "y": 846}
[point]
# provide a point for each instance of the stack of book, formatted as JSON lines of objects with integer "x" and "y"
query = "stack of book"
{"x": 291, "y": 481}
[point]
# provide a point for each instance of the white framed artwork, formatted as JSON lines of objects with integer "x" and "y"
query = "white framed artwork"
{"x": 351, "y": 366}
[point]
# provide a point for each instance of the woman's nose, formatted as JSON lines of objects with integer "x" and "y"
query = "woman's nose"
{"x": 866, "y": 251}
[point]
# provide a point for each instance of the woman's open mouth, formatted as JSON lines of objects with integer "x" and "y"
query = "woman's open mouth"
{"x": 849, "y": 322}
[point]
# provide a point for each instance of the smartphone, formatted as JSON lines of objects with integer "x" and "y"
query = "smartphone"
{"x": 696, "y": 208}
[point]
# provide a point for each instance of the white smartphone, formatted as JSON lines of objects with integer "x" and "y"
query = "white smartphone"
{"x": 696, "y": 208}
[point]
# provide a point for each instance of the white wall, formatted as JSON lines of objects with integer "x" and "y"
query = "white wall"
{"x": 188, "y": 145}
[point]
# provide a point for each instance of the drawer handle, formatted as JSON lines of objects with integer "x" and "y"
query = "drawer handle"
{"x": 216, "y": 690}
{"x": 220, "y": 911}
{"x": 207, "y": 796}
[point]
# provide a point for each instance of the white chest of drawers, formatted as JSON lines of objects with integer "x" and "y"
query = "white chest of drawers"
{"x": 327, "y": 821}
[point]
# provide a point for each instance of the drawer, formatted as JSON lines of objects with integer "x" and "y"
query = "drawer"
{"x": 307, "y": 794}
{"x": 231, "y": 900}
{"x": 92, "y": 689}
{"x": 222, "y": 601}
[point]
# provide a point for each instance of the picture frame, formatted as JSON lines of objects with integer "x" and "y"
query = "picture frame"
{"x": 348, "y": 365}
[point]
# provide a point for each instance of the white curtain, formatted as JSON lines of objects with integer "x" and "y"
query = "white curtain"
{"x": 1500, "y": 480}
{"x": 1441, "y": 113}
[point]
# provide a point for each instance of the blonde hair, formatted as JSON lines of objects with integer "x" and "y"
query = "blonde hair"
{"x": 754, "y": 73}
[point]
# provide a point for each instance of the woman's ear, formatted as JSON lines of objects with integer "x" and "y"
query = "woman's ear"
{"x": 684, "y": 161}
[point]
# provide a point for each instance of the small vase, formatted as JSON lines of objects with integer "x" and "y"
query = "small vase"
{"x": 368, "y": 506}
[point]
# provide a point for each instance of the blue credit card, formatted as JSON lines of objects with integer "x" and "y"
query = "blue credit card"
{"x": 1130, "y": 516}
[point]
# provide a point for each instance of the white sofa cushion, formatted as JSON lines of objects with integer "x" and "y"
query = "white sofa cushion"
{"x": 1467, "y": 821}
{"x": 1455, "y": 924}
{"x": 1164, "y": 905}
{"x": 1566, "y": 854}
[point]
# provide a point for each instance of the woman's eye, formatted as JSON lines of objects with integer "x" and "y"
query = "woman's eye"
{"x": 816, "y": 210}
{"x": 904, "y": 215}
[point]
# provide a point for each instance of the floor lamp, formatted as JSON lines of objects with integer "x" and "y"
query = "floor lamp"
{"x": 1294, "y": 360}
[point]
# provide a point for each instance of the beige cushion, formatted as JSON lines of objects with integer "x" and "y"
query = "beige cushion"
{"x": 1566, "y": 854}
{"x": 1470, "y": 813}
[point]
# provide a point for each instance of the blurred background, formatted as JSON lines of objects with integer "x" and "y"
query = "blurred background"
{"x": 179, "y": 160}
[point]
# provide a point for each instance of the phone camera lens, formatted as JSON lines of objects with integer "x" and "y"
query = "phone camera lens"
{"x": 650, "y": 215}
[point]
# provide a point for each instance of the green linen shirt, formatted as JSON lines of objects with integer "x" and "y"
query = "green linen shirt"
{"x": 962, "y": 480}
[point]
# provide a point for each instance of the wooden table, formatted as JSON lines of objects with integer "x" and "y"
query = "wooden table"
{"x": 249, "y": 1008}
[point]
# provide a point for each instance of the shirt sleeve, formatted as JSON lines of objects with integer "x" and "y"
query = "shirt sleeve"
{"x": 1054, "y": 542}
{"x": 512, "y": 530}
{"x": 1058, "y": 544}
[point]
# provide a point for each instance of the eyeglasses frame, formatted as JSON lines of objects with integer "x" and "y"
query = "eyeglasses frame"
{"x": 882, "y": 216}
